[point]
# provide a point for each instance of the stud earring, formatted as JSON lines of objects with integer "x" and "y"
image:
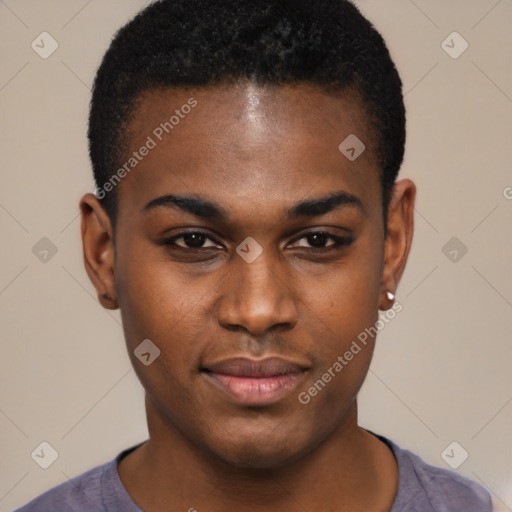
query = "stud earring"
{"x": 390, "y": 295}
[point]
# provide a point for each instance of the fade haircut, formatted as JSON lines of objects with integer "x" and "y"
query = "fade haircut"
{"x": 196, "y": 43}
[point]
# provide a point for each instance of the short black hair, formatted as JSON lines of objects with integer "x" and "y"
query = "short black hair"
{"x": 190, "y": 43}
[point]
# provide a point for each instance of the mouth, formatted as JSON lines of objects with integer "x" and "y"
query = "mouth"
{"x": 255, "y": 382}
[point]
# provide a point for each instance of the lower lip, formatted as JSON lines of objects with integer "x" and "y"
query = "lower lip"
{"x": 256, "y": 390}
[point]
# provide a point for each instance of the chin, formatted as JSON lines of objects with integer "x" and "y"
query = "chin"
{"x": 251, "y": 457}
{"x": 261, "y": 452}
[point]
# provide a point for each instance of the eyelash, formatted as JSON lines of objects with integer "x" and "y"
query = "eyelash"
{"x": 339, "y": 241}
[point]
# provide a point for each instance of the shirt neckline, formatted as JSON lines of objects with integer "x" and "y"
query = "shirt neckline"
{"x": 113, "y": 474}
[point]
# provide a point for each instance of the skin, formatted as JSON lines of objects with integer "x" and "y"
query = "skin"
{"x": 255, "y": 152}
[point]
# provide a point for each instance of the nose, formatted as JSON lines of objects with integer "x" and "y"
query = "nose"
{"x": 258, "y": 296}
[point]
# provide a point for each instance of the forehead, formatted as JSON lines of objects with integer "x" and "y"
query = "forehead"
{"x": 286, "y": 110}
{"x": 243, "y": 144}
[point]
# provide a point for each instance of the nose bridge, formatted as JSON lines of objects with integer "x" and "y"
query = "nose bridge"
{"x": 258, "y": 279}
{"x": 258, "y": 295}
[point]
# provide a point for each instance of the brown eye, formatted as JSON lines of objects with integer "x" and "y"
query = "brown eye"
{"x": 320, "y": 239}
{"x": 191, "y": 240}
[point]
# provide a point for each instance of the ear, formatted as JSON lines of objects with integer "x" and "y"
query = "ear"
{"x": 400, "y": 228}
{"x": 98, "y": 249}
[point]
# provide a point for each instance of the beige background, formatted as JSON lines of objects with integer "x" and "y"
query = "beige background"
{"x": 442, "y": 368}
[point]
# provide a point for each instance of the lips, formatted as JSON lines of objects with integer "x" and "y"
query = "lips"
{"x": 244, "y": 367}
{"x": 255, "y": 382}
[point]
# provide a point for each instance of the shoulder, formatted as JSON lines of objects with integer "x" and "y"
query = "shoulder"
{"x": 79, "y": 493}
{"x": 99, "y": 489}
{"x": 423, "y": 487}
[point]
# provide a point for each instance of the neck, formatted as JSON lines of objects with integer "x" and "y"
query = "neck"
{"x": 351, "y": 469}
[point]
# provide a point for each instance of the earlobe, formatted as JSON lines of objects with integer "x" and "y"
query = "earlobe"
{"x": 98, "y": 249}
{"x": 400, "y": 228}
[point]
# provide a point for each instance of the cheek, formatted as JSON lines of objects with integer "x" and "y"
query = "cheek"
{"x": 339, "y": 309}
{"x": 161, "y": 302}
{"x": 150, "y": 297}
{"x": 345, "y": 300}
{"x": 343, "y": 347}
{"x": 154, "y": 307}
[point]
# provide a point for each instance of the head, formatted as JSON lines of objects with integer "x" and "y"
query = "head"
{"x": 243, "y": 229}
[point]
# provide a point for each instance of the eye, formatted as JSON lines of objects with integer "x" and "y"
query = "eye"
{"x": 320, "y": 239}
{"x": 192, "y": 240}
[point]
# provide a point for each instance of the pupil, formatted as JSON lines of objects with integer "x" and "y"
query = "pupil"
{"x": 317, "y": 240}
{"x": 194, "y": 239}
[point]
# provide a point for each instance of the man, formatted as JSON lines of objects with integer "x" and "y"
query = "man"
{"x": 248, "y": 224}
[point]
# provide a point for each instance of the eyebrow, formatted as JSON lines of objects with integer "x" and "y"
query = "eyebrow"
{"x": 201, "y": 207}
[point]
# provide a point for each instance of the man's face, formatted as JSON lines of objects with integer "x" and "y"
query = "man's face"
{"x": 254, "y": 153}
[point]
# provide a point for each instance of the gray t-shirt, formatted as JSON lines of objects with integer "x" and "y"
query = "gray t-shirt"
{"x": 421, "y": 488}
